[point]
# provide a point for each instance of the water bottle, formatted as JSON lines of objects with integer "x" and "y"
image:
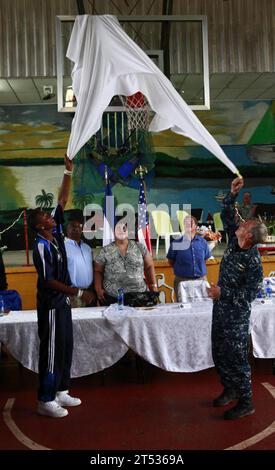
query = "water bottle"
{"x": 260, "y": 292}
{"x": 2, "y": 306}
{"x": 120, "y": 298}
{"x": 268, "y": 290}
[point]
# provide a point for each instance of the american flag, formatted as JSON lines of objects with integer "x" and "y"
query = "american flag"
{"x": 143, "y": 219}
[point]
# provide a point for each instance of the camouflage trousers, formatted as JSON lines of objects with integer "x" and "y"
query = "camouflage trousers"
{"x": 230, "y": 344}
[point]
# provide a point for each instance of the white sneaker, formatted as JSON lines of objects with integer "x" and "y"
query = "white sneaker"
{"x": 51, "y": 408}
{"x": 64, "y": 399}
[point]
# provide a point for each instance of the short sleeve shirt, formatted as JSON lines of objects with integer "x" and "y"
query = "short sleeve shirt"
{"x": 80, "y": 263}
{"x": 189, "y": 257}
{"x": 123, "y": 271}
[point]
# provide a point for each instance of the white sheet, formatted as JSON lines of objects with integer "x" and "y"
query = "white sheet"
{"x": 193, "y": 290}
{"x": 108, "y": 63}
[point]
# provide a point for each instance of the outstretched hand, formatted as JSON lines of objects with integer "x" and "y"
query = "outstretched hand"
{"x": 68, "y": 163}
{"x": 236, "y": 185}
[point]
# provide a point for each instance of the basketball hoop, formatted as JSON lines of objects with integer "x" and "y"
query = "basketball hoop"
{"x": 137, "y": 110}
{"x": 137, "y": 100}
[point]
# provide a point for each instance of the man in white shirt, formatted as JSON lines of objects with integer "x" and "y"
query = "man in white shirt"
{"x": 80, "y": 263}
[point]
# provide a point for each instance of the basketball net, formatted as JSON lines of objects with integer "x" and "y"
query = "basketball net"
{"x": 138, "y": 111}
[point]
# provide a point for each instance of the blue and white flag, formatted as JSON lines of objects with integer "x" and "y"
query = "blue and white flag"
{"x": 109, "y": 216}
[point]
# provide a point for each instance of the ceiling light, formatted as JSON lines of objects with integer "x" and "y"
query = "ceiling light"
{"x": 69, "y": 98}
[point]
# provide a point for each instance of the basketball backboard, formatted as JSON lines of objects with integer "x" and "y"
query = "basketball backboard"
{"x": 178, "y": 45}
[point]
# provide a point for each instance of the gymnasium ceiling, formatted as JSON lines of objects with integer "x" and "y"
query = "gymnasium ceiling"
{"x": 223, "y": 86}
{"x": 241, "y": 46}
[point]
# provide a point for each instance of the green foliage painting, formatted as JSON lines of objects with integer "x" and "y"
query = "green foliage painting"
{"x": 44, "y": 200}
{"x": 10, "y": 197}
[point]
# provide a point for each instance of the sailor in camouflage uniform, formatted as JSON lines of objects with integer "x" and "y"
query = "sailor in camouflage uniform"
{"x": 240, "y": 276}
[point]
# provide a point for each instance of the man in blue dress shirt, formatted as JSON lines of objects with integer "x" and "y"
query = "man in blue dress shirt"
{"x": 3, "y": 279}
{"x": 188, "y": 254}
{"x": 80, "y": 263}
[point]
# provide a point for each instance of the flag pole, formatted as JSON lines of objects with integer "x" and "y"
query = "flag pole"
{"x": 143, "y": 216}
{"x": 141, "y": 171}
{"x": 106, "y": 174}
{"x": 108, "y": 230}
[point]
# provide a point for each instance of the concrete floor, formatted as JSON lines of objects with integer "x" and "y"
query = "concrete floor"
{"x": 171, "y": 411}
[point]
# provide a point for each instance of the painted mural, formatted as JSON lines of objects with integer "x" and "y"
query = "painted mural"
{"x": 33, "y": 140}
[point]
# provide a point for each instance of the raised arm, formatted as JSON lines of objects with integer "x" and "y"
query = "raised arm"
{"x": 228, "y": 212}
{"x": 66, "y": 183}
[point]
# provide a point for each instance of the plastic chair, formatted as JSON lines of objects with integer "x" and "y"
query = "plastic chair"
{"x": 181, "y": 216}
{"x": 193, "y": 291}
{"x": 198, "y": 213}
{"x": 218, "y": 225}
{"x": 12, "y": 299}
{"x": 163, "y": 227}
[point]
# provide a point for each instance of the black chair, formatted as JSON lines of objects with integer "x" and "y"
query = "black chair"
{"x": 198, "y": 213}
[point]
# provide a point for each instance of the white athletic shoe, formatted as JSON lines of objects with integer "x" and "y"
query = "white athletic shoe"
{"x": 51, "y": 408}
{"x": 64, "y": 399}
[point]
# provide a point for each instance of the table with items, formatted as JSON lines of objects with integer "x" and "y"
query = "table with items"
{"x": 174, "y": 337}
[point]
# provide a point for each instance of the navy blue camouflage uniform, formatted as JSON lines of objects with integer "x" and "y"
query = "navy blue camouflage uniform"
{"x": 240, "y": 276}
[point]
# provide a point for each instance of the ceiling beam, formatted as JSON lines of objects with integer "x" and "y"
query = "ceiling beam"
{"x": 167, "y": 9}
{"x": 80, "y": 7}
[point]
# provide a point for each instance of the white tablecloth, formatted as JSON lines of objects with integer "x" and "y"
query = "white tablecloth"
{"x": 96, "y": 346}
{"x": 170, "y": 337}
{"x": 262, "y": 326}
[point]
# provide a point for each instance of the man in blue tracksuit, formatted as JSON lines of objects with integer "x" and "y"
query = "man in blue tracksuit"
{"x": 53, "y": 306}
{"x": 239, "y": 279}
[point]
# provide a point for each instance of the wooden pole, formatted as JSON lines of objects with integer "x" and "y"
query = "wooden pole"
{"x": 26, "y": 237}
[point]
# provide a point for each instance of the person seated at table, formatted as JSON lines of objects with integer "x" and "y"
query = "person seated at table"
{"x": 80, "y": 264}
{"x": 3, "y": 278}
{"x": 11, "y": 298}
{"x": 122, "y": 264}
{"x": 246, "y": 209}
{"x": 188, "y": 254}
